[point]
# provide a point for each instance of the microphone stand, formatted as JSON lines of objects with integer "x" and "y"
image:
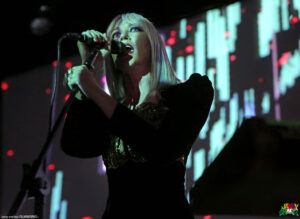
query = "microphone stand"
{"x": 33, "y": 186}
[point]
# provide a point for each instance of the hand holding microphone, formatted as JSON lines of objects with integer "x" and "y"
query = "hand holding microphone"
{"x": 93, "y": 48}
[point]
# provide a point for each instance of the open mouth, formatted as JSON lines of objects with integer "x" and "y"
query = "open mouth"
{"x": 130, "y": 48}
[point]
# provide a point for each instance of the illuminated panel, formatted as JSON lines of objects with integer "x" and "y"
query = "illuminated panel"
{"x": 180, "y": 68}
{"x": 268, "y": 23}
{"x": 200, "y": 44}
{"x": 211, "y": 33}
{"x": 249, "y": 103}
{"x": 220, "y": 52}
{"x": 63, "y": 210}
{"x": 233, "y": 13}
{"x": 189, "y": 66}
{"x": 233, "y": 116}
{"x": 169, "y": 52}
{"x": 56, "y": 196}
{"x": 216, "y": 137}
{"x": 284, "y": 15}
{"x": 296, "y": 4}
{"x": 189, "y": 160}
{"x": 266, "y": 103}
{"x": 205, "y": 129}
{"x": 182, "y": 28}
{"x": 290, "y": 71}
{"x": 199, "y": 163}
{"x": 210, "y": 75}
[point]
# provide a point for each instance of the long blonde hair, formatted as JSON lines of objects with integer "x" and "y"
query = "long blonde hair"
{"x": 161, "y": 72}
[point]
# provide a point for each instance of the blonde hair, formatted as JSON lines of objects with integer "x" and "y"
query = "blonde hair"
{"x": 161, "y": 72}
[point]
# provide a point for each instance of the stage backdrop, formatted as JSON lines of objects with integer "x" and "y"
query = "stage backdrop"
{"x": 250, "y": 51}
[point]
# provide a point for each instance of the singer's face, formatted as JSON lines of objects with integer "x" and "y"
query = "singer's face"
{"x": 139, "y": 57}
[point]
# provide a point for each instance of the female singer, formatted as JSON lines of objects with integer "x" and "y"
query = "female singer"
{"x": 145, "y": 128}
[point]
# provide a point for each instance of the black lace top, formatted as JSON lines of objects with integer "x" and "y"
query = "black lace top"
{"x": 118, "y": 151}
{"x": 144, "y": 150}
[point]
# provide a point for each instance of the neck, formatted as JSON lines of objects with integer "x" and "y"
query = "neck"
{"x": 137, "y": 86}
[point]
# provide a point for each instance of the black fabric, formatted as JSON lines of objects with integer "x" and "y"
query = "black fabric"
{"x": 155, "y": 188}
{"x": 85, "y": 132}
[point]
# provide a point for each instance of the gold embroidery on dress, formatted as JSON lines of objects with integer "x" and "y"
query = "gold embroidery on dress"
{"x": 119, "y": 152}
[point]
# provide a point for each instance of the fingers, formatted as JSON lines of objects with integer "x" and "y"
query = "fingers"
{"x": 96, "y": 36}
{"x": 71, "y": 79}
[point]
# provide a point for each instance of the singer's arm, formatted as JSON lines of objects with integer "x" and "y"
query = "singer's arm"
{"x": 91, "y": 89}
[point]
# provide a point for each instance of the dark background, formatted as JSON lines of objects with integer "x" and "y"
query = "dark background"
{"x": 24, "y": 49}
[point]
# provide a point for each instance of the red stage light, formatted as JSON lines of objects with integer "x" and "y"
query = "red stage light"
{"x": 284, "y": 58}
{"x": 67, "y": 97}
{"x": 48, "y": 90}
{"x": 180, "y": 52}
{"x": 86, "y": 217}
{"x": 294, "y": 20}
{"x": 4, "y": 85}
{"x": 260, "y": 80}
{"x": 189, "y": 49}
{"x": 10, "y": 153}
{"x": 189, "y": 27}
{"x": 68, "y": 64}
{"x": 232, "y": 58}
{"x": 227, "y": 34}
{"x": 171, "y": 41}
{"x": 207, "y": 217}
{"x": 173, "y": 33}
{"x": 54, "y": 63}
{"x": 51, "y": 166}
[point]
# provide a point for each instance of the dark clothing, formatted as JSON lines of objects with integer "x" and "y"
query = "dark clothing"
{"x": 144, "y": 150}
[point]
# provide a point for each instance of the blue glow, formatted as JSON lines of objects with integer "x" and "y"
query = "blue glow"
{"x": 217, "y": 135}
{"x": 56, "y": 195}
{"x": 266, "y": 103}
{"x": 268, "y": 24}
{"x": 249, "y": 103}
{"x": 290, "y": 71}
{"x": 169, "y": 52}
{"x": 199, "y": 163}
{"x": 182, "y": 28}
{"x": 233, "y": 19}
{"x": 63, "y": 211}
{"x": 233, "y": 116}
{"x": 200, "y": 45}
{"x": 189, "y": 160}
{"x": 285, "y": 15}
{"x": 180, "y": 68}
{"x": 189, "y": 66}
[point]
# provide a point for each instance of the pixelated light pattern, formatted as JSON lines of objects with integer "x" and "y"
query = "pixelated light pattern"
{"x": 249, "y": 103}
{"x": 182, "y": 28}
{"x": 265, "y": 104}
{"x": 290, "y": 71}
{"x": 180, "y": 71}
{"x": 58, "y": 206}
{"x": 217, "y": 135}
{"x": 189, "y": 66}
{"x": 233, "y": 116}
{"x": 233, "y": 19}
{"x": 284, "y": 15}
{"x": 199, "y": 163}
{"x": 269, "y": 22}
{"x": 200, "y": 49}
{"x": 296, "y": 4}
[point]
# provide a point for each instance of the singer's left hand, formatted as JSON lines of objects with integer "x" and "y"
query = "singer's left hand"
{"x": 82, "y": 77}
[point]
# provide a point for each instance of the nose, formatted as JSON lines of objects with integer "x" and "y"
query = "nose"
{"x": 124, "y": 36}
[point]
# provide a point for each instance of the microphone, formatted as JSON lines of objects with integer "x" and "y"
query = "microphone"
{"x": 117, "y": 47}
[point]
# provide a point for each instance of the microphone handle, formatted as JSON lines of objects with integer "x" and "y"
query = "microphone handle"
{"x": 89, "y": 62}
